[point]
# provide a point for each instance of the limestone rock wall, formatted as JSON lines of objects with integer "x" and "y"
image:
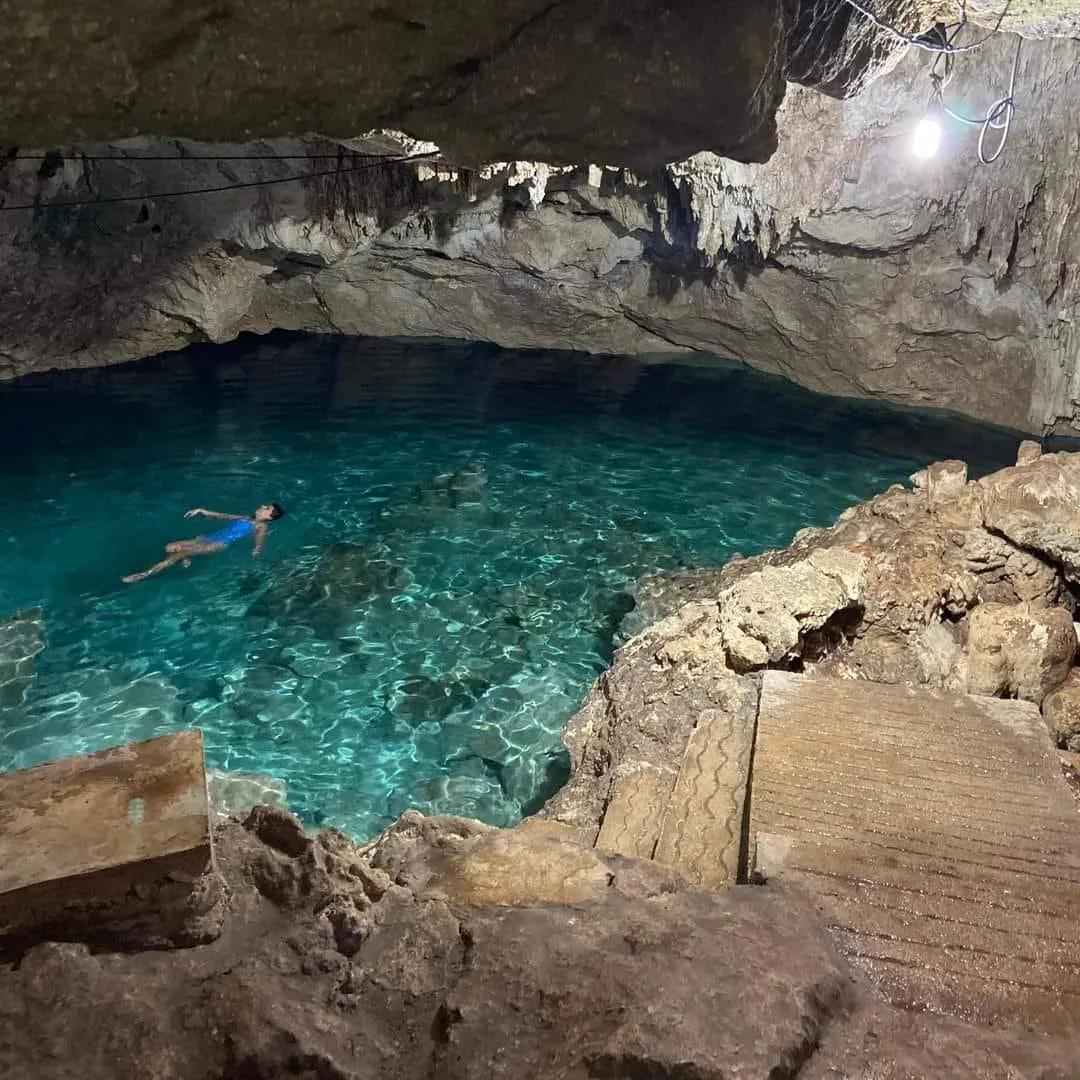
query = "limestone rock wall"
{"x": 626, "y": 81}
{"x": 843, "y": 263}
{"x": 487, "y": 78}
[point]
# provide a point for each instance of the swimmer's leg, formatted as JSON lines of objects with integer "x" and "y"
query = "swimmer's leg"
{"x": 171, "y": 560}
{"x": 179, "y": 551}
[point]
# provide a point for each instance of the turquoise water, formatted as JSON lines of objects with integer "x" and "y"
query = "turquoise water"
{"x": 461, "y": 523}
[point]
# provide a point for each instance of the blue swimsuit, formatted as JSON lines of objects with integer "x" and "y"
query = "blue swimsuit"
{"x": 235, "y": 530}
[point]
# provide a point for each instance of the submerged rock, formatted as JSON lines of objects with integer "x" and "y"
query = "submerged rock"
{"x": 22, "y": 637}
{"x": 329, "y": 596}
{"x": 237, "y": 793}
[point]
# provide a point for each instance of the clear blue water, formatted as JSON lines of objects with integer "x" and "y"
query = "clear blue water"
{"x": 462, "y": 522}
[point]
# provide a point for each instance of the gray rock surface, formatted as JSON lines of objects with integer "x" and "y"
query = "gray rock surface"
{"x": 525, "y": 78}
{"x": 855, "y": 270}
{"x": 329, "y": 966}
{"x": 620, "y": 80}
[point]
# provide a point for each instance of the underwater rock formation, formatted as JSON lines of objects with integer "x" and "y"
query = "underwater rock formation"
{"x": 237, "y": 793}
{"x": 22, "y": 637}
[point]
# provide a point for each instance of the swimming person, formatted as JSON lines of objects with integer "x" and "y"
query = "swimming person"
{"x": 239, "y": 528}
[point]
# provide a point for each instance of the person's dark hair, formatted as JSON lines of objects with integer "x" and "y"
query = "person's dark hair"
{"x": 276, "y": 511}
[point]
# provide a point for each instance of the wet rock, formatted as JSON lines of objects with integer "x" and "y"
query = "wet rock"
{"x": 1061, "y": 710}
{"x": 466, "y": 486}
{"x": 424, "y": 698}
{"x": 437, "y": 503}
{"x": 22, "y": 637}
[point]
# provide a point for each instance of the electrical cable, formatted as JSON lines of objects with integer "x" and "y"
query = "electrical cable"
{"x": 345, "y": 152}
{"x": 998, "y": 117}
{"x": 151, "y": 196}
{"x": 922, "y": 42}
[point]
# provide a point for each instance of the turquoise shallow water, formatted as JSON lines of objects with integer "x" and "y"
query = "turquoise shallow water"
{"x": 461, "y": 524}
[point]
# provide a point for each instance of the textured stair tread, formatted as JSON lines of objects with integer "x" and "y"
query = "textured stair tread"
{"x": 631, "y": 823}
{"x": 939, "y": 836}
{"x": 701, "y": 832}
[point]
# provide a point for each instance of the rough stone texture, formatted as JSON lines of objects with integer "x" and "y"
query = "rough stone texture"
{"x": 641, "y": 712}
{"x": 855, "y": 270}
{"x": 1061, "y": 710}
{"x": 955, "y": 585}
{"x": 621, "y": 82}
{"x": 328, "y": 967}
{"x": 1032, "y": 18}
{"x": 513, "y": 78}
{"x": 1030, "y": 506}
{"x": 1015, "y": 651}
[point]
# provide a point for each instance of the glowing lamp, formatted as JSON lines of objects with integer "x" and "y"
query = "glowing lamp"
{"x": 927, "y": 137}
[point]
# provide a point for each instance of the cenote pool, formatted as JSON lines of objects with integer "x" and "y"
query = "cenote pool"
{"x": 461, "y": 523}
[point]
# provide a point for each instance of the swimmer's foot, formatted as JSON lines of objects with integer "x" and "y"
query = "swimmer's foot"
{"x": 132, "y": 578}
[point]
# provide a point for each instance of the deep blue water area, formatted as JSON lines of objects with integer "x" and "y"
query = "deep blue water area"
{"x": 461, "y": 524}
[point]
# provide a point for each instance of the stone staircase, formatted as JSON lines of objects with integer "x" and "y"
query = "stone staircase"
{"x": 935, "y": 830}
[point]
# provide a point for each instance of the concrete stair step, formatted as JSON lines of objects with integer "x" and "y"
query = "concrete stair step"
{"x": 631, "y": 823}
{"x": 701, "y": 831}
{"x": 939, "y": 835}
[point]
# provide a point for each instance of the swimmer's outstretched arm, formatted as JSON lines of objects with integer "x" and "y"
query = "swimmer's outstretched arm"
{"x": 200, "y": 512}
{"x": 260, "y": 538}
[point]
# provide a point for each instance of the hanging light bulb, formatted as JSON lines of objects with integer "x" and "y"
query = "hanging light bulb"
{"x": 927, "y": 137}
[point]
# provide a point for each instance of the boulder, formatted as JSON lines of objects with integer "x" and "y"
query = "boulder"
{"x": 1028, "y": 451}
{"x": 764, "y": 616}
{"x": 1034, "y": 506}
{"x": 1020, "y": 650}
{"x": 1061, "y": 710}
